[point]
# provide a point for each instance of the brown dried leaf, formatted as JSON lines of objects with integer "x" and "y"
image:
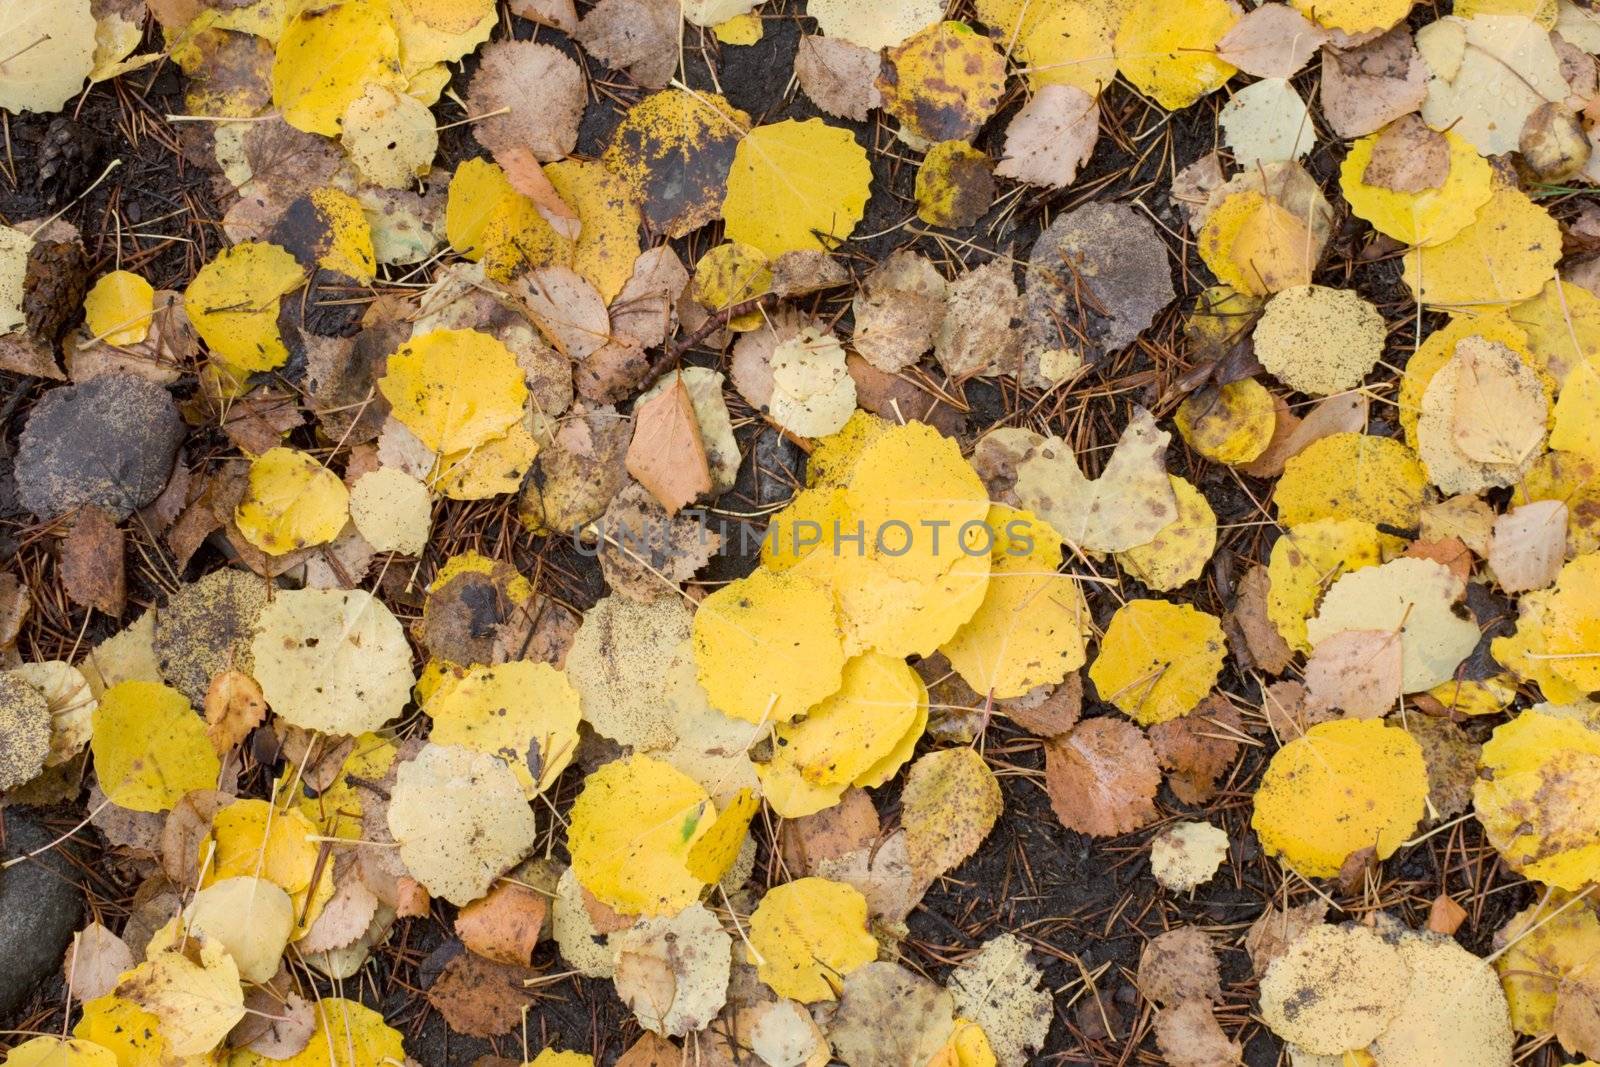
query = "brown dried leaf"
{"x": 579, "y": 471}
{"x": 981, "y": 332}
{"x": 1049, "y": 710}
{"x": 481, "y": 998}
{"x": 234, "y": 707}
{"x": 1345, "y": 413}
{"x": 667, "y": 456}
{"x": 92, "y": 562}
{"x": 639, "y": 36}
{"x": 1102, "y": 778}
{"x": 652, "y": 1050}
{"x": 830, "y": 834}
{"x": 644, "y": 309}
{"x": 1366, "y": 87}
{"x": 184, "y": 831}
{"x": 1273, "y": 41}
{"x": 1445, "y": 916}
{"x": 1198, "y": 748}
{"x": 94, "y": 961}
{"x": 565, "y": 307}
{"x": 539, "y": 90}
{"x": 1408, "y": 157}
{"x": 889, "y": 1016}
{"x": 900, "y": 399}
{"x": 557, "y": 14}
{"x": 1180, "y": 965}
{"x": 1253, "y": 633}
{"x": 1528, "y": 545}
{"x": 838, "y": 76}
{"x": 898, "y": 311}
{"x": 1452, "y": 760}
{"x": 504, "y": 925}
{"x": 647, "y": 552}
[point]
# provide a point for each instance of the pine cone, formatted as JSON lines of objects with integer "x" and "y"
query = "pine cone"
{"x": 65, "y": 159}
{"x": 54, "y": 287}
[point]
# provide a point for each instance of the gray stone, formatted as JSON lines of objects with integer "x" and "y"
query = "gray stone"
{"x": 40, "y": 908}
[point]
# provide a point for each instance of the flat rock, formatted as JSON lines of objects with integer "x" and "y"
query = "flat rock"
{"x": 40, "y": 907}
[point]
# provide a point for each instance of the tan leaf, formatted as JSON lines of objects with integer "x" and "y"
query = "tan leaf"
{"x": 531, "y": 97}
{"x": 1051, "y": 137}
{"x": 94, "y": 961}
{"x": 1273, "y": 41}
{"x": 1528, "y": 545}
{"x": 1366, "y": 87}
{"x": 234, "y": 707}
{"x": 1408, "y": 157}
{"x": 1180, "y": 965}
{"x": 1102, "y": 778}
{"x": 667, "y": 455}
{"x": 1190, "y": 1036}
{"x": 481, "y": 998}
{"x": 831, "y": 833}
{"x": 838, "y": 76}
{"x": 1356, "y": 671}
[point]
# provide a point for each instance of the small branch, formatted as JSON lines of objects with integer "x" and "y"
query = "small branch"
{"x": 672, "y": 355}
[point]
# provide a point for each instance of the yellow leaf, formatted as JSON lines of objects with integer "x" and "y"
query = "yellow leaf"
{"x": 496, "y": 467}
{"x": 524, "y": 712}
{"x": 132, "y": 1034}
{"x": 1230, "y": 424}
{"x": 346, "y": 247}
{"x": 821, "y": 754}
{"x": 119, "y": 307}
{"x": 1431, "y": 216}
{"x": 488, "y": 221}
{"x": 1439, "y": 346}
{"x": 673, "y": 150}
{"x": 331, "y": 659}
{"x": 608, "y": 211}
{"x": 337, "y": 810}
{"x": 1059, "y": 44}
{"x": 631, "y": 832}
{"x": 347, "y": 1033}
{"x": 254, "y": 839}
{"x": 1414, "y": 598}
{"x": 461, "y": 820}
{"x": 1544, "y": 942}
{"x": 389, "y": 136}
{"x": 796, "y": 186}
{"x": 1506, "y": 255}
{"x": 392, "y": 510}
{"x": 874, "y": 24}
{"x": 1538, "y": 776}
{"x": 292, "y": 502}
{"x": 59, "y": 1052}
{"x": 150, "y": 747}
{"x": 1575, "y": 423}
{"x": 729, "y": 274}
{"x": 551, "y": 1058}
{"x": 743, "y": 29}
{"x": 1332, "y": 990}
{"x": 1170, "y": 52}
{"x": 1353, "y": 16}
{"x": 1526, "y": 652}
{"x": 955, "y": 185}
{"x": 921, "y": 565}
{"x": 1158, "y": 660}
{"x": 48, "y": 47}
{"x": 233, "y": 303}
{"x": 950, "y": 803}
{"x": 1572, "y": 623}
{"x": 1341, "y": 787}
{"x": 1352, "y": 476}
{"x": 1029, "y": 629}
{"x": 327, "y": 57}
{"x": 945, "y": 83}
{"x": 251, "y": 918}
{"x": 454, "y": 389}
{"x": 767, "y": 648}
{"x": 1254, "y": 244}
{"x": 1562, "y": 327}
{"x": 807, "y": 935}
{"x": 713, "y": 854}
{"x": 193, "y": 988}
{"x": 1179, "y": 553}
{"x": 440, "y": 31}
{"x": 1305, "y": 561}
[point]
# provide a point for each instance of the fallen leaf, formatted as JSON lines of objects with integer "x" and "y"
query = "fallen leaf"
{"x": 808, "y": 935}
{"x": 889, "y": 1016}
{"x": 996, "y": 988}
{"x": 94, "y": 961}
{"x": 1051, "y": 137}
{"x": 531, "y": 97}
{"x": 667, "y": 455}
{"x": 795, "y": 185}
{"x": 481, "y": 998}
{"x": 839, "y": 76}
{"x": 1357, "y": 672}
{"x": 673, "y": 971}
{"x": 1102, "y": 778}
{"x": 949, "y": 804}
{"x": 1180, "y": 965}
